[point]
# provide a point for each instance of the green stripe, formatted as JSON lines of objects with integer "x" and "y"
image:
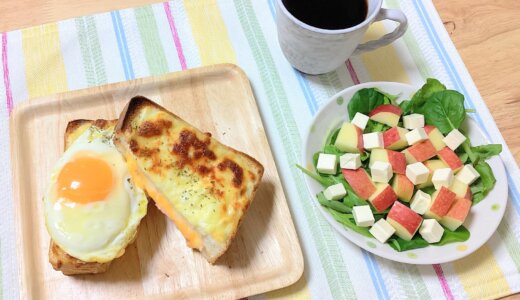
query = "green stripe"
{"x": 328, "y": 249}
{"x": 151, "y": 40}
{"x": 408, "y": 276}
{"x": 331, "y": 83}
{"x": 91, "y": 51}
{"x": 510, "y": 241}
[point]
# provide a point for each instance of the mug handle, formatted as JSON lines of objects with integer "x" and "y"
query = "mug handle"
{"x": 386, "y": 14}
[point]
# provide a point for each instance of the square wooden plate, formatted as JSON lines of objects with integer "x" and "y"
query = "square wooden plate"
{"x": 265, "y": 255}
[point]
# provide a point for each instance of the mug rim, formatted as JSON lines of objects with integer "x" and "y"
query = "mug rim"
{"x": 367, "y": 20}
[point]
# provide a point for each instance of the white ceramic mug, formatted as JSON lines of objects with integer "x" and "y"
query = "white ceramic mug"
{"x": 314, "y": 50}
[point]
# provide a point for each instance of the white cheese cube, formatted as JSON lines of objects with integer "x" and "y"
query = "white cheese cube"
{"x": 415, "y": 136}
{"x": 421, "y": 202}
{"x": 382, "y": 230}
{"x": 373, "y": 140}
{"x": 417, "y": 173}
{"x": 468, "y": 174}
{"x": 413, "y": 121}
{"x": 327, "y": 163}
{"x": 442, "y": 177}
{"x": 431, "y": 231}
{"x": 363, "y": 215}
{"x": 360, "y": 120}
{"x": 350, "y": 161}
{"x": 454, "y": 139}
{"x": 381, "y": 172}
{"x": 335, "y": 192}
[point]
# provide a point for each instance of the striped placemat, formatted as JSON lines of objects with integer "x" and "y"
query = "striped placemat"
{"x": 178, "y": 35}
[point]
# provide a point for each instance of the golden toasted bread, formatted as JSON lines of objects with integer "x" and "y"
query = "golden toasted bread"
{"x": 203, "y": 186}
{"x": 59, "y": 259}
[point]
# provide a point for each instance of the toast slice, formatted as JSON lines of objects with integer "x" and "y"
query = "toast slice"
{"x": 59, "y": 259}
{"x": 203, "y": 186}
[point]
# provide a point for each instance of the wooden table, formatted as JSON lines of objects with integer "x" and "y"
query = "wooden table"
{"x": 486, "y": 33}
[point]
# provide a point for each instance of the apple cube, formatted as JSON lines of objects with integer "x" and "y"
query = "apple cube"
{"x": 441, "y": 203}
{"x": 432, "y": 165}
{"x": 350, "y": 161}
{"x": 382, "y": 230}
{"x": 335, "y": 192}
{"x": 360, "y": 120}
{"x": 360, "y": 182}
{"x": 363, "y": 216}
{"x": 413, "y": 121}
{"x": 395, "y": 138}
{"x": 396, "y": 159}
{"x": 454, "y": 139}
{"x": 327, "y": 163}
{"x": 383, "y": 197}
{"x": 457, "y": 214}
{"x": 417, "y": 173}
{"x": 468, "y": 174}
{"x": 403, "y": 187}
{"x": 421, "y": 202}
{"x": 381, "y": 172}
{"x": 442, "y": 177}
{"x": 350, "y": 138}
{"x": 461, "y": 189}
{"x": 387, "y": 114}
{"x": 435, "y": 137}
{"x": 431, "y": 231}
{"x": 404, "y": 220}
{"x": 373, "y": 140}
{"x": 450, "y": 158}
{"x": 415, "y": 136}
{"x": 420, "y": 152}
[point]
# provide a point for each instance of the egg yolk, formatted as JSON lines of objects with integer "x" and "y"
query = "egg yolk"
{"x": 85, "y": 179}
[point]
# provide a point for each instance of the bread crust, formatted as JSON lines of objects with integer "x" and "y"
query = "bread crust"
{"x": 59, "y": 259}
{"x": 132, "y": 111}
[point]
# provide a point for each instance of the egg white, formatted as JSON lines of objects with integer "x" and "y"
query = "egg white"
{"x": 97, "y": 231}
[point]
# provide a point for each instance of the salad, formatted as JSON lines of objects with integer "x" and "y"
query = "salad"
{"x": 404, "y": 173}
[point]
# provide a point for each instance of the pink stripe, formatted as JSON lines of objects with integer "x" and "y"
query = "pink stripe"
{"x": 8, "y": 93}
{"x": 175, "y": 35}
{"x": 352, "y": 72}
{"x": 444, "y": 284}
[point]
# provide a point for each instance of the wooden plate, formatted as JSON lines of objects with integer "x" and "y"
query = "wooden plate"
{"x": 265, "y": 255}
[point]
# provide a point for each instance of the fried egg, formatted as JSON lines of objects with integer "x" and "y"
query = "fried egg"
{"x": 92, "y": 209}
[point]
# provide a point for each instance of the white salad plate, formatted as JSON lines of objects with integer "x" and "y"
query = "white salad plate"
{"x": 482, "y": 220}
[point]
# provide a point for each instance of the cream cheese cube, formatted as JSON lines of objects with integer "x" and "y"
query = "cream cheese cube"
{"x": 415, "y": 136}
{"x": 468, "y": 174}
{"x": 360, "y": 120}
{"x": 382, "y": 230}
{"x": 442, "y": 177}
{"x": 327, "y": 163}
{"x": 373, "y": 140}
{"x": 363, "y": 216}
{"x": 417, "y": 173}
{"x": 335, "y": 192}
{"x": 381, "y": 172}
{"x": 431, "y": 231}
{"x": 350, "y": 161}
{"x": 421, "y": 202}
{"x": 413, "y": 121}
{"x": 454, "y": 139}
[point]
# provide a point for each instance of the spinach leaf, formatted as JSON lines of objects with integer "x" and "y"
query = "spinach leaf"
{"x": 486, "y": 151}
{"x": 484, "y": 184}
{"x": 459, "y": 235}
{"x": 373, "y": 126}
{"x": 463, "y": 156}
{"x": 400, "y": 244}
{"x": 347, "y": 220}
{"x": 333, "y": 204}
{"x": 445, "y": 110}
{"x": 419, "y": 99}
{"x": 331, "y": 138}
{"x": 429, "y": 190}
{"x": 325, "y": 181}
{"x": 389, "y": 98}
{"x": 364, "y": 101}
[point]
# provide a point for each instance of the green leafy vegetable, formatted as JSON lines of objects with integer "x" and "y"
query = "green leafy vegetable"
{"x": 445, "y": 110}
{"x": 332, "y": 204}
{"x": 400, "y": 244}
{"x": 364, "y": 101}
{"x": 325, "y": 181}
{"x": 373, "y": 126}
{"x": 347, "y": 220}
{"x": 415, "y": 105}
{"x": 487, "y": 151}
{"x": 459, "y": 235}
{"x": 484, "y": 184}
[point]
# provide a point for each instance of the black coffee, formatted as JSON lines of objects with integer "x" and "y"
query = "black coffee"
{"x": 328, "y": 14}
